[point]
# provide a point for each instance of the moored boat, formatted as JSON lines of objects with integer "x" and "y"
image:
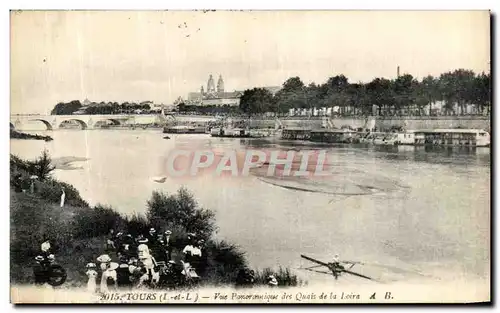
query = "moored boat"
{"x": 230, "y": 132}
{"x": 184, "y": 129}
{"x": 334, "y": 136}
{"x": 453, "y": 137}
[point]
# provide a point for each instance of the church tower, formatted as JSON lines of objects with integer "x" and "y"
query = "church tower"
{"x": 210, "y": 84}
{"x": 220, "y": 84}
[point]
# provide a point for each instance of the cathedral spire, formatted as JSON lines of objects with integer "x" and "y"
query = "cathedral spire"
{"x": 220, "y": 84}
{"x": 210, "y": 84}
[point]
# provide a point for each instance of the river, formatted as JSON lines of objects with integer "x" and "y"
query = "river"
{"x": 426, "y": 211}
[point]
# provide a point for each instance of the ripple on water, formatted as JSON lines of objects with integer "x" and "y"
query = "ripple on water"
{"x": 349, "y": 182}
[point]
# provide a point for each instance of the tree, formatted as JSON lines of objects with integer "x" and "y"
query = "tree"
{"x": 457, "y": 88}
{"x": 336, "y": 93}
{"x": 257, "y": 100}
{"x": 429, "y": 90}
{"x": 181, "y": 211}
{"x": 380, "y": 93}
{"x": 42, "y": 166}
{"x": 359, "y": 99}
{"x": 66, "y": 108}
{"x": 403, "y": 88}
{"x": 292, "y": 95}
{"x": 482, "y": 92}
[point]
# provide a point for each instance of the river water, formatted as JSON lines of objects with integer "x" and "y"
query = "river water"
{"x": 422, "y": 213}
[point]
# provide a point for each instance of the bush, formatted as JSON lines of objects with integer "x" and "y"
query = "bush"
{"x": 284, "y": 277}
{"x": 51, "y": 190}
{"x": 136, "y": 224}
{"x": 97, "y": 221}
{"x": 224, "y": 260}
{"x": 182, "y": 211}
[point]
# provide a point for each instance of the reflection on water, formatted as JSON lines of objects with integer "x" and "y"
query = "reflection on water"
{"x": 419, "y": 208}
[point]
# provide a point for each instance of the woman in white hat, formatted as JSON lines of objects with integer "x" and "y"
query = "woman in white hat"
{"x": 109, "y": 277}
{"x": 92, "y": 275}
{"x": 149, "y": 264}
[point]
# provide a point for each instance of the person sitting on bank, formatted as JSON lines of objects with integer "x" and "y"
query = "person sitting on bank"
{"x": 141, "y": 240}
{"x": 110, "y": 242}
{"x": 126, "y": 246}
{"x": 46, "y": 248}
{"x": 122, "y": 273}
{"x": 192, "y": 252}
{"x": 152, "y": 236}
{"x": 272, "y": 281}
{"x": 40, "y": 270}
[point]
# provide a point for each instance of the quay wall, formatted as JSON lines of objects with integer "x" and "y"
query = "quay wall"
{"x": 381, "y": 123}
{"x": 428, "y": 122}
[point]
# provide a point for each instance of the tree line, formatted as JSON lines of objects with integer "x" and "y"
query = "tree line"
{"x": 404, "y": 95}
{"x": 68, "y": 108}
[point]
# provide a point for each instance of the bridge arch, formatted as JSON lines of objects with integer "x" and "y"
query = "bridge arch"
{"x": 82, "y": 123}
{"x": 47, "y": 124}
{"x": 104, "y": 122}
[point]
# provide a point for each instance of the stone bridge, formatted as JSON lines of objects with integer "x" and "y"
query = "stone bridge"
{"x": 53, "y": 122}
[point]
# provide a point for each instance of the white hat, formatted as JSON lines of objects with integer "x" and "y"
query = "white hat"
{"x": 45, "y": 246}
{"x": 113, "y": 266}
{"x": 142, "y": 247}
{"x": 51, "y": 257}
{"x": 272, "y": 280}
{"x": 152, "y": 229}
{"x": 39, "y": 258}
{"x": 168, "y": 232}
{"x": 171, "y": 262}
{"x": 104, "y": 258}
{"x": 90, "y": 265}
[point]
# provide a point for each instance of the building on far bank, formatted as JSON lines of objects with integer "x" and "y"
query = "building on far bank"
{"x": 218, "y": 96}
{"x": 214, "y": 95}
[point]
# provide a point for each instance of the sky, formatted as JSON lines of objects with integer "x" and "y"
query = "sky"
{"x": 59, "y": 56}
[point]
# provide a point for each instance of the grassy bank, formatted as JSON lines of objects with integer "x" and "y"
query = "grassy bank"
{"x": 79, "y": 230}
{"x": 14, "y": 134}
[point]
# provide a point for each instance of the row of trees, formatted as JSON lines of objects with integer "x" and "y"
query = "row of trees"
{"x": 404, "y": 95}
{"x": 68, "y": 108}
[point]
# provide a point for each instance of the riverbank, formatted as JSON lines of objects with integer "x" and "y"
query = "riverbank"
{"x": 19, "y": 135}
{"x": 79, "y": 231}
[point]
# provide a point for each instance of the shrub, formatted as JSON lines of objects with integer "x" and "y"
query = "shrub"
{"x": 180, "y": 210}
{"x": 223, "y": 262}
{"x": 97, "y": 221}
{"x": 51, "y": 191}
{"x": 136, "y": 224}
{"x": 284, "y": 277}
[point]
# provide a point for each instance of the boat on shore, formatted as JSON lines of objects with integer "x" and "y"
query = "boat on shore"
{"x": 229, "y": 132}
{"x": 334, "y": 136}
{"x": 433, "y": 137}
{"x": 184, "y": 129}
{"x": 452, "y": 137}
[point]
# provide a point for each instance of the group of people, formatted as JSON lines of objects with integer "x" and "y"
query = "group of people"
{"x": 147, "y": 260}
{"x": 135, "y": 262}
